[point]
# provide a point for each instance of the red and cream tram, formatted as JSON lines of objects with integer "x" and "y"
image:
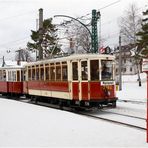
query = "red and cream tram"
{"x": 86, "y": 80}
{"x": 11, "y": 80}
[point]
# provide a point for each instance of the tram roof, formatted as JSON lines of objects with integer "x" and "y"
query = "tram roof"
{"x": 74, "y": 57}
{"x": 12, "y": 67}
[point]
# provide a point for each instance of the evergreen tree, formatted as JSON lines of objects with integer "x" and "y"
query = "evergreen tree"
{"x": 49, "y": 39}
{"x": 142, "y": 42}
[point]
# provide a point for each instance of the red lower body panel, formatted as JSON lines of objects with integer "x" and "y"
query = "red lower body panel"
{"x": 3, "y": 87}
{"x": 51, "y": 86}
{"x": 15, "y": 87}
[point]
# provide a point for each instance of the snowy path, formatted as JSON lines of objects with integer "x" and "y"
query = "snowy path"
{"x": 27, "y": 125}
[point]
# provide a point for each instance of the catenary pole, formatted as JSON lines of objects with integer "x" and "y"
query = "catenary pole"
{"x": 94, "y": 33}
{"x": 120, "y": 64}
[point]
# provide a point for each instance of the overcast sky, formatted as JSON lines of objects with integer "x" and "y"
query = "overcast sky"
{"x": 18, "y": 17}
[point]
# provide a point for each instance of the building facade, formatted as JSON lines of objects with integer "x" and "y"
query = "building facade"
{"x": 128, "y": 63}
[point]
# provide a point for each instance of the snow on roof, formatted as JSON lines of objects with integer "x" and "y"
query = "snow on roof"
{"x": 13, "y": 64}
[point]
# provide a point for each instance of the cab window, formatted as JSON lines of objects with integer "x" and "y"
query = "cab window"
{"x": 106, "y": 70}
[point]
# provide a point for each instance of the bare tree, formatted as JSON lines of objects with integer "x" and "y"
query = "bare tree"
{"x": 80, "y": 36}
{"x": 130, "y": 25}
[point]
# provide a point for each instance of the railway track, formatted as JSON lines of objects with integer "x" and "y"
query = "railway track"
{"x": 123, "y": 115}
{"x": 132, "y": 101}
{"x": 88, "y": 114}
{"x": 96, "y": 117}
{"x": 113, "y": 121}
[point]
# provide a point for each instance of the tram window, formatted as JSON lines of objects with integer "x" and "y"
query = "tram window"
{"x": 29, "y": 74}
{"x": 46, "y": 73}
{"x": 33, "y": 73}
{"x": 106, "y": 69}
{"x": 14, "y": 76}
{"x": 4, "y": 75}
{"x": 22, "y": 75}
{"x": 52, "y": 73}
{"x": 84, "y": 70}
{"x": 58, "y": 72}
{"x": 42, "y": 73}
{"x": 64, "y": 73}
{"x": 18, "y": 76}
{"x": 37, "y": 72}
{"x": 94, "y": 69}
{"x": 75, "y": 70}
{"x": 0, "y": 75}
{"x": 9, "y": 76}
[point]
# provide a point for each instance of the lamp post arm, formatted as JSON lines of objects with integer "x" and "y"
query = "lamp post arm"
{"x": 75, "y": 20}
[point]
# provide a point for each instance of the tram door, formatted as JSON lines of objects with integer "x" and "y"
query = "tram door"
{"x": 84, "y": 85}
{"x": 80, "y": 86}
{"x": 75, "y": 81}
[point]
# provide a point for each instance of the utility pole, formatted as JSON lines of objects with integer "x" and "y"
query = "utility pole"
{"x": 3, "y": 64}
{"x": 37, "y": 51}
{"x": 19, "y": 56}
{"x": 120, "y": 64}
{"x": 40, "y": 33}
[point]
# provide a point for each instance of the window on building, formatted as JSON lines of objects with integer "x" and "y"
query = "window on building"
{"x": 124, "y": 69}
{"x": 124, "y": 60}
{"x": 116, "y": 70}
{"x": 131, "y": 69}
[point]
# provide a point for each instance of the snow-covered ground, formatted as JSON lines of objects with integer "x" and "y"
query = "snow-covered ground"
{"x": 27, "y": 125}
{"x": 131, "y": 89}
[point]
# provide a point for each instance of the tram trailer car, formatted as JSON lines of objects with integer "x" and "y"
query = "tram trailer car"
{"x": 86, "y": 80}
{"x": 11, "y": 81}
